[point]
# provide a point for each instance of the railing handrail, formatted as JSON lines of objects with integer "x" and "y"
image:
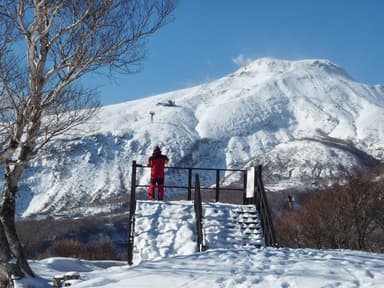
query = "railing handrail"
{"x": 261, "y": 202}
{"x": 195, "y": 168}
{"x": 229, "y": 188}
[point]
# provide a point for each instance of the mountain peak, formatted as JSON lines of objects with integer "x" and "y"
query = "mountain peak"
{"x": 276, "y": 66}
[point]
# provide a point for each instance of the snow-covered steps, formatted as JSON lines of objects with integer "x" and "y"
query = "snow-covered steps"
{"x": 165, "y": 229}
{"x": 231, "y": 226}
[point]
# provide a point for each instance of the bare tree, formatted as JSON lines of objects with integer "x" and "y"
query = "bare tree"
{"x": 348, "y": 216}
{"x": 45, "y": 46}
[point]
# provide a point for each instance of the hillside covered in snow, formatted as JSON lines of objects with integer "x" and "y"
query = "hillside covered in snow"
{"x": 307, "y": 122}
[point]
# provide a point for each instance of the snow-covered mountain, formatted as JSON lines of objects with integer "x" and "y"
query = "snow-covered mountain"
{"x": 307, "y": 122}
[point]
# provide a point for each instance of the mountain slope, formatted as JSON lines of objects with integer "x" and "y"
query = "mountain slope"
{"x": 307, "y": 122}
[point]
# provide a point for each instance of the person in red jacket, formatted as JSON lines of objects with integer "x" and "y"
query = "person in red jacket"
{"x": 157, "y": 163}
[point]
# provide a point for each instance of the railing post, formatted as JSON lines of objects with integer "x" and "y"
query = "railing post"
{"x": 132, "y": 210}
{"x": 264, "y": 210}
{"x": 256, "y": 197}
{"x": 189, "y": 183}
{"x": 245, "y": 187}
{"x": 217, "y": 184}
{"x": 199, "y": 215}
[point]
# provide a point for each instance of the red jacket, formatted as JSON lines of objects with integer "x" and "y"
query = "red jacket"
{"x": 157, "y": 162}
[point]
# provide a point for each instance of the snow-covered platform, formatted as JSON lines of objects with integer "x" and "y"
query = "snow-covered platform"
{"x": 168, "y": 228}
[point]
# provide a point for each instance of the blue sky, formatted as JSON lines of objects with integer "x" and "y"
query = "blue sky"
{"x": 210, "y": 38}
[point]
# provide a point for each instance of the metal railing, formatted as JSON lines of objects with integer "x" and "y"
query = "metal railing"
{"x": 261, "y": 202}
{"x": 259, "y": 199}
{"x": 189, "y": 187}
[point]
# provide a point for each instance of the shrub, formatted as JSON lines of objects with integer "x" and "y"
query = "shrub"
{"x": 100, "y": 250}
{"x": 345, "y": 216}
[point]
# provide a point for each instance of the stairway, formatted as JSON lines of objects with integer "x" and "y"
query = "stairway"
{"x": 166, "y": 229}
{"x": 231, "y": 226}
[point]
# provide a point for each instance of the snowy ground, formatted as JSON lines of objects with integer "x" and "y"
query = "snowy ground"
{"x": 164, "y": 257}
{"x": 265, "y": 267}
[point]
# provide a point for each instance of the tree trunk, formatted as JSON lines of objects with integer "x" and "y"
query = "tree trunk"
{"x": 13, "y": 263}
{"x": 5, "y": 257}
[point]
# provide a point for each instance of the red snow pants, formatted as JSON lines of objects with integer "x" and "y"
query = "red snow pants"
{"x": 160, "y": 187}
